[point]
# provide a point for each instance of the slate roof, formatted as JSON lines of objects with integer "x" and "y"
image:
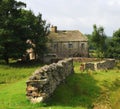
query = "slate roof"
{"x": 65, "y": 36}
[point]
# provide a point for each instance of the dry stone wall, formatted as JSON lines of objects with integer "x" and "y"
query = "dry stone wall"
{"x": 106, "y": 64}
{"x": 44, "y": 81}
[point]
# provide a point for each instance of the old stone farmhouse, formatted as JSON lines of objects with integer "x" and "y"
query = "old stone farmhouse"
{"x": 67, "y": 43}
{"x": 63, "y": 44}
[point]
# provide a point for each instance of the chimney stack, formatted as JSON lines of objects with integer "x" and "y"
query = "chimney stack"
{"x": 53, "y": 29}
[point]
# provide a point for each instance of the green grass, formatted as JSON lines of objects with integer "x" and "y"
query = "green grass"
{"x": 82, "y": 90}
{"x": 13, "y": 97}
{"x": 16, "y": 71}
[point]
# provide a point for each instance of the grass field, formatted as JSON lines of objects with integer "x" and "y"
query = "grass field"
{"x": 82, "y": 90}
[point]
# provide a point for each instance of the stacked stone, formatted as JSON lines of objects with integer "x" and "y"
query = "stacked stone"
{"x": 106, "y": 64}
{"x": 89, "y": 65}
{"x": 44, "y": 81}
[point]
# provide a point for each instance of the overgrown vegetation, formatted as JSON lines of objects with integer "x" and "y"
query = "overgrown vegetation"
{"x": 82, "y": 90}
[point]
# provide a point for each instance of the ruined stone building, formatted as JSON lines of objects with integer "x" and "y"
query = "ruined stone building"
{"x": 67, "y": 43}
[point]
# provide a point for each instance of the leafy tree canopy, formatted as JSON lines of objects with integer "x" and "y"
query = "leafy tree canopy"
{"x": 16, "y": 27}
{"x": 98, "y": 39}
{"x": 113, "y": 50}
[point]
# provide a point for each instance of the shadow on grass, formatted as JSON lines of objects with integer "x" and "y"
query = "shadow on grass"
{"x": 24, "y": 64}
{"x": 78, "y": 90}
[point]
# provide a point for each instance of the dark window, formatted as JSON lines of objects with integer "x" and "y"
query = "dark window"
{"x": 82, "y": 46}
{"x": 70, "y": 45}
{"x": 55, "y": 46}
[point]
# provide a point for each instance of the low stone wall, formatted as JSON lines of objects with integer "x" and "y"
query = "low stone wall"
{"x": 44, "y": 81}
{"x": 85, "y": 59}
{"x": 106, "y": 64}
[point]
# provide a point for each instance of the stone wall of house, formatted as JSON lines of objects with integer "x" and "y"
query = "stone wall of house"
{"x": 106, "y": 64}
{"x": 63, "y": 49}
{"x": 44, "y": 81}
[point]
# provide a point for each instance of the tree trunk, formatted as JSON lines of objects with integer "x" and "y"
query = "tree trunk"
{"x": 6, "y": 59}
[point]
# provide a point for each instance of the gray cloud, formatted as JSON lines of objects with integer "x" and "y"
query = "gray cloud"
{"x": 79, "y": 14}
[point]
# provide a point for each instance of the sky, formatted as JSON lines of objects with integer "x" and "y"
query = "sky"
{"x": 79, "y": 14}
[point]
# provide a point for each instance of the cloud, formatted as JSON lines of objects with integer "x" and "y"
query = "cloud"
{"x": 79, "y": 14}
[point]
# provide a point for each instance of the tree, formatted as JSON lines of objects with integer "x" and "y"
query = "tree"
{"x": 37, "y": 31}
{"x": 16, "y": 27}
{"x": 113, "y": 50}
{"x": 41, "y": 30}
{"x": 10, "y": 29}
{"x": 98, "y": 39}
